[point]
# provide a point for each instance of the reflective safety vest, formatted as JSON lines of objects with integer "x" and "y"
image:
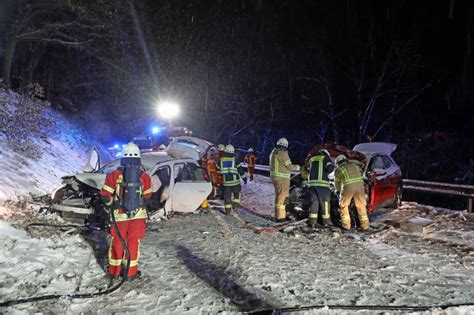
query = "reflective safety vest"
{"x": 347, "y": 174}
{"x": 229, "y": 172}
{"x": 319, "y": 168}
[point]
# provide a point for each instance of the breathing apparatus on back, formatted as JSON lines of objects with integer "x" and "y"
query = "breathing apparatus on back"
{"x": 131, "y": 195}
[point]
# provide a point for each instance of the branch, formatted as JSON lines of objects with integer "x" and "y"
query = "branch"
{"x": 408, "y": 101}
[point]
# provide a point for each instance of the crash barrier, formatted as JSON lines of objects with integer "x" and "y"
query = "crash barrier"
{"x": 457, "y": 190}
{"x": 466, "y": 191}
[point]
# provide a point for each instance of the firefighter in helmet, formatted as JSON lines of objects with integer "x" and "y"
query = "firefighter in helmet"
{"x": 231, "y": 174}
{"x": 250, "y": 159}
{"x": 212, "y": 168}
{"x": 280, "y": 172}
{"x": 126, "y": 192}
{"x": 220, "y": 153}
{"x": 319, "y": 167}
{"x": 349, "y": 182}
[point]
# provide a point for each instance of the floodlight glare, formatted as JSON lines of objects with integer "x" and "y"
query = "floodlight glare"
{"x": 168, "y": 110}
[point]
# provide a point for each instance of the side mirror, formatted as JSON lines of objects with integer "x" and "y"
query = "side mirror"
{"x": 378, "y": 172}
{"x": 93, "y": 163}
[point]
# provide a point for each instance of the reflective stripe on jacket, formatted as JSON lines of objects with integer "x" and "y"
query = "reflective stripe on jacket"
{"x": 111, "y": 194}
{"x": 229, "y": 172}
{"x": 280, "y": 164}
{"x": 347, "y": 174}
{"x": 319, "y": 168}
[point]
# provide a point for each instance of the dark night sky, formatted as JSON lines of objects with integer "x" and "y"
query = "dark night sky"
{"x": 249, "y": 72}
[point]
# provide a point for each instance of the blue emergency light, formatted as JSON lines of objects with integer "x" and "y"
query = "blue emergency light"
{"x": 155, "y": 130}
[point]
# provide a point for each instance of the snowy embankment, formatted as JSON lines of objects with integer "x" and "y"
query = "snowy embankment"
{"x": 32, "y": 165}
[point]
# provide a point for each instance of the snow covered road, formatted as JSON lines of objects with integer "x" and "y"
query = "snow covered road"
{"x": 209, "y": 262}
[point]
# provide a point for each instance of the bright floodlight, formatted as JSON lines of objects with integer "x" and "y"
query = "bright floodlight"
{"x": 168, "y": 110}
{"x": 155, "y": 130}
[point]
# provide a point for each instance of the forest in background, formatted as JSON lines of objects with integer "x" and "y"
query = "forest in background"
{"x": 248, "y": 72}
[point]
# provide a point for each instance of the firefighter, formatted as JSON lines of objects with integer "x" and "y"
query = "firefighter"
{"x": 349, "y": 182}
{"x": 280, "y": 172}
{"x": 250, "y": 159}
{"x": 128, "y": 206}
{"x": 212, "y": 169}
{"x": 220, "y": 152}
{"x": 231, "y": 174}
{"x": 319, "y": 167}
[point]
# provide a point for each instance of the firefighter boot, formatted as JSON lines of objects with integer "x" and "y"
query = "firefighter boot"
{"x": 280, "y": 213}
{"x": 313, "y": 220}
{"x": 113, "y": 280}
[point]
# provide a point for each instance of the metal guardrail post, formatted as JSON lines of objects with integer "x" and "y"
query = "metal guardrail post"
{"x": 469, "y": 205}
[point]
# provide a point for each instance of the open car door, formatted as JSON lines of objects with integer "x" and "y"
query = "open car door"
{"x": 191, "y": 187}
{"x": 93, "y": 163}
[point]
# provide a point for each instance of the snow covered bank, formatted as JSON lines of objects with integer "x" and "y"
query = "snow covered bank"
{"x": 62, "y": 146}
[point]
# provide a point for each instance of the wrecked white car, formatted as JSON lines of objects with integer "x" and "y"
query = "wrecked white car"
{"x": 179, "y": 184}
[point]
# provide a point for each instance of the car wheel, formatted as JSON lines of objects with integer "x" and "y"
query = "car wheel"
{"x": 398, "y": 197}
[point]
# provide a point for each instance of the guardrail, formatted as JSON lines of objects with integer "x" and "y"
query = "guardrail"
{"x": 466, "y": 191}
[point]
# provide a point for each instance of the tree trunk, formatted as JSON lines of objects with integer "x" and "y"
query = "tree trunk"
{"x": 35, "y": 58}
{"x": 7, "y": 62}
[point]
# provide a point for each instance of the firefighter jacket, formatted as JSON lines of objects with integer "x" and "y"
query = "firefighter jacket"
{"x": 230, "y": 172}
{"x": 346, "y": 174}
{"x": 280, "y": 164}
{"x": 111, "y": 191}
{"x": 250, "y": 159}
{"x": 211, "y": 164}
{"x": 320, "y": 166}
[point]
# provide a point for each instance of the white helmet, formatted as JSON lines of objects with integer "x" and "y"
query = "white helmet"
{"x": 250, "y": 149}
{"x": 283, "y": 142}
{"x": 325, "y": 152}
{"x": 162, "y": 147}
{"x": 220, "y": 147}
{"x": 229, "y": 149}
{"x": 131, "y": 150}
{"x": 341, "y": 159}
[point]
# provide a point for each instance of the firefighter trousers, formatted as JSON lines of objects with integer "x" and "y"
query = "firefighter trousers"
{"x": 353, "y": 191}
{"x": 282, "y": 191}
{"x": 320, "y": 204}
{"x": 251, "y": 171}
{"x": 132, "y": 232}
{"x": 231, "y": 197}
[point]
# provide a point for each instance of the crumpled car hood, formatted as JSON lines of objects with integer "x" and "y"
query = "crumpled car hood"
{"x": 94, "y": 180}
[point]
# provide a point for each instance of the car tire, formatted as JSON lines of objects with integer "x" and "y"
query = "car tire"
{"x": 398, "y": 197}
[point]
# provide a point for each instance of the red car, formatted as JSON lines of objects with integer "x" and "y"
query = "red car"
{"x": 382, "y": 176}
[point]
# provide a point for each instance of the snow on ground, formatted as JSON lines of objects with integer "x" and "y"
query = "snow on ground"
{"x": 64, "y": 151}
{"x": 209, "y": 263}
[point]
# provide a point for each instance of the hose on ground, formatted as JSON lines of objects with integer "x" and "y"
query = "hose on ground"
{"x": 77, "y": 295}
